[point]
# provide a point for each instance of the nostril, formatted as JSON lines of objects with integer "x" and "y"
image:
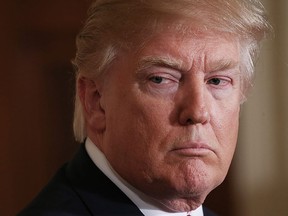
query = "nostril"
{"x": 190, "y": 118}
{"x": 189, "y": 121}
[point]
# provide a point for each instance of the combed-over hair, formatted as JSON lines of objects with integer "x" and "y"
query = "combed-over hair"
{"x": 113, "y": 25}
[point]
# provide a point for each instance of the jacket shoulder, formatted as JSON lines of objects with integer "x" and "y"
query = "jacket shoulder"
{"x": 208, "y": 212}
{"x": 57, "y": 198}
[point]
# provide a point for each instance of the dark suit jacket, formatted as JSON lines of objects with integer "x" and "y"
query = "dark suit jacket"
{"x": 80, "y": 188}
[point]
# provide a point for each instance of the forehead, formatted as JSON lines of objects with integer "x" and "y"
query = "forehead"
{"x": 209, "y": 48}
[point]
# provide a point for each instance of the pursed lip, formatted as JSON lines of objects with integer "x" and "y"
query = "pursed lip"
{"x": 192, "y": 149}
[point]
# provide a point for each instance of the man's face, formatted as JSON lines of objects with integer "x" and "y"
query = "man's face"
{"x": 171, "y": 116}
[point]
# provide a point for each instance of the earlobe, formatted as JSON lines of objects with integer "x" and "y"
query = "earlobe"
{"x": 89, "y": 92}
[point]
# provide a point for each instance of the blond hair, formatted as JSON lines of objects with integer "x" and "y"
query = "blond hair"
{"x": 113, "y": 25}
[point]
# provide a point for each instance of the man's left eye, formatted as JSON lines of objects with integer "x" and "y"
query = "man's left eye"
{"x": 156, "y": 79}
{"x": 218, "y": 81}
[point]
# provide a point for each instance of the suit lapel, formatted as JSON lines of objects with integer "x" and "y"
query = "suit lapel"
{"x": 97, "y": 192}
{"x": 207, "y": 212}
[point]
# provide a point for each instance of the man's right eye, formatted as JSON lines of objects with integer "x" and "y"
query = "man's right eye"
{"x": 162, "y": 83}
{"x": 156, "y": 79}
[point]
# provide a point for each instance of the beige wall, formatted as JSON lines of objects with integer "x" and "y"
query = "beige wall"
{"x": 261, "y": 170}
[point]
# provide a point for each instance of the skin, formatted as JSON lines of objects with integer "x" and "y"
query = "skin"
{"x": 166, "y": 117}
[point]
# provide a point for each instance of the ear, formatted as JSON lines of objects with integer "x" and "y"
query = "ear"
{"x": 90, "y": 97}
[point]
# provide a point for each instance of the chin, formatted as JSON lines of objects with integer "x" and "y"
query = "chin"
{"x": 186, "y": 198}
{"x": 193, "y": 194}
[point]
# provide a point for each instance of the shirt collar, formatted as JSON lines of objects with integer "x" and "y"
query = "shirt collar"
{"x": 144, "y": 203}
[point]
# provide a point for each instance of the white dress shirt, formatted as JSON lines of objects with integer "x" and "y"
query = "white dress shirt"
{"x": 143, "y": 202}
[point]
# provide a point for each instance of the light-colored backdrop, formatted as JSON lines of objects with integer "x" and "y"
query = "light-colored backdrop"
{"x": 261, "y": 162}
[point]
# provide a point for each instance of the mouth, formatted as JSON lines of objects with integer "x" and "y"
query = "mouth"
{"x": 193, "y": 149}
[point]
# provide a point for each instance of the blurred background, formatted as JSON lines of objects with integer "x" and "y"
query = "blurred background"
{"x": 37, "y": 42}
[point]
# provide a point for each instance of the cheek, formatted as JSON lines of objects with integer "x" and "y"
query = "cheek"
{"x": 136, "y": 138}
{"x": 226, "y": 116}
{"x": 226, "y": 130}
{"x": 225, "y": 122}
{"x": 137, "y": 126}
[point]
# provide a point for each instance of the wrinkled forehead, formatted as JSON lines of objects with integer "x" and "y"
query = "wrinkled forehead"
{"x": 179, "y": 31}
{"x": 180, "y": 27}
{"x": 214, "y": 49}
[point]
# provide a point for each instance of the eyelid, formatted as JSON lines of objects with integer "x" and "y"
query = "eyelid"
{"x": 164, "y": 71}
{"x": 221, "y": 79}
{"x": 165, "y": 76}
{"x": 224, "y": 82}
{"x": 229, "y": 73}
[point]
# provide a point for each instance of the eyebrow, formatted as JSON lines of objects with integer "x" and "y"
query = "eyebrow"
{"x": 165, "y": 61}
{"x": 177, "y": 64}
{"x": 219, "y": 65}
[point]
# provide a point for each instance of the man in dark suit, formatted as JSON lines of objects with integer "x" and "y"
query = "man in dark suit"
{"x": 159, "y": 89}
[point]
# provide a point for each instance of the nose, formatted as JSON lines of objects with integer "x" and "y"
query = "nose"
{"x": 193, "y": 106}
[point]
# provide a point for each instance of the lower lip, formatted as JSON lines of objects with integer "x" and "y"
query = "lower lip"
{"x": 192, "y": 152}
